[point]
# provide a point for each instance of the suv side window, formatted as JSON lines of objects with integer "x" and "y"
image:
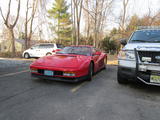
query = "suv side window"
{"x": 35, "y": 47}
{"x": 44, "y": 46}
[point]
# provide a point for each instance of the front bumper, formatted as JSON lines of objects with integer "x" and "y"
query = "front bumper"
{"x": 64, "y": 79}
{"x": 142, "y": 70}
{"x": 145, "y": 71}
{"x": 143, "y": 76}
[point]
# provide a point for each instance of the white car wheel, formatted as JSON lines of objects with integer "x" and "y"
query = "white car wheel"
{"x": 26, "y": 55}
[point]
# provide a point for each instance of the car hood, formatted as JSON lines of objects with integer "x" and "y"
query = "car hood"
{"x": 61, "y": 61}
{"x": 143, "y": 46}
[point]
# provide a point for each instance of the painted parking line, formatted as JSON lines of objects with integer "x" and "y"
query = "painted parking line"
{"x": 73, "y": 90}
{"x": 15, "y": 73}
{"x": 18, "y": 59}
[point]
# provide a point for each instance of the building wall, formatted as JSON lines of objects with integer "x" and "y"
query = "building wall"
{"x": 5, "y": 46}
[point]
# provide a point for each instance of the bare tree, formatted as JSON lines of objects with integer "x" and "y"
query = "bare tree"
{"x": 34, "y": 8}
{"x": 10, "y": 26}
{"x": 73, "y": 21}
{"x": 77, "y": 18}
{"x": 26, "y": 25}
{"x": 29, "y": 21}
{"x": 87, "y": 21}
{"x": 123, "y": 15}
{"x": 98, "y": 11}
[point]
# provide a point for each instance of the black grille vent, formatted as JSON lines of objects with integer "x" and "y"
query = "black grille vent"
{"x": 150, "y": 54}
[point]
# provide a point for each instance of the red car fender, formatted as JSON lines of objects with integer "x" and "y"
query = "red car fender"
{"x": 84, "y": 67}
{"x": 99, "y": 63}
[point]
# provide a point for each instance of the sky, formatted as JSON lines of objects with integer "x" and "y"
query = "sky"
{"x": 139, "y": 7}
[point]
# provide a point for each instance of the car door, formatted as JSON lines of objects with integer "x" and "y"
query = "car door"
{"x": 42, "y": 50}
{"x": 34, "y": 51}
{"x": 45, "y": 49}
{"x": 95, "y": 57}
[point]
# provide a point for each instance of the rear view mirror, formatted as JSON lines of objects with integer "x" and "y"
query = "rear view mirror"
{"x": 123, "y": 41}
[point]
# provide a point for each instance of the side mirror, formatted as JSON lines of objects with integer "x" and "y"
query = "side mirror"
{"x": 123, "y": 41}
{"x": 31, "y": 48}
{"x": 97, "y": 53}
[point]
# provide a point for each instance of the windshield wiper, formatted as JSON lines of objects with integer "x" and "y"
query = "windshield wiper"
{"x": 139, "y": 41}
{"x": 155, "y": 41}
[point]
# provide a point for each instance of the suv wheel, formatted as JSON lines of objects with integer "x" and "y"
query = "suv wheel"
{"x": 26, "y": 55}
{"x": 121, "y": 79}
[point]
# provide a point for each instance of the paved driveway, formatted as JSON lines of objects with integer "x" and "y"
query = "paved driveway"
{"x": 24, "y": 98}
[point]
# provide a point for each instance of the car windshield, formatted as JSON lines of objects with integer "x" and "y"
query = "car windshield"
{"x": 148, "y": 36}
{"x": 76, "y": 50}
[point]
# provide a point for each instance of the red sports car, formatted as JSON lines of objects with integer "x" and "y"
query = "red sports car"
{"x": 72, "y": 64}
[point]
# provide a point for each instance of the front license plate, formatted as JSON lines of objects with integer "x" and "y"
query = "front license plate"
{"x": 48, "y": 73}
{"x": 155, "y": 79}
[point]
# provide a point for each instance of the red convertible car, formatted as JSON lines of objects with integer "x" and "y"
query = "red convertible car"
{"x": 72, "y": 64}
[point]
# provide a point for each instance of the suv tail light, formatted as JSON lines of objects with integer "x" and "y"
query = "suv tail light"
{"x": 56, "y": 50}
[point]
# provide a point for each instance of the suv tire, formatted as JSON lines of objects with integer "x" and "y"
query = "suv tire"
{"x": 121, "y": 79}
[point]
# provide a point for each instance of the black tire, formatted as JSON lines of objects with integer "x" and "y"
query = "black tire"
{"x": 48, "y": 54}
{"x": 121, "y": 79}
{"x": 26, "y": 55}
{"x": 91, "y": 72}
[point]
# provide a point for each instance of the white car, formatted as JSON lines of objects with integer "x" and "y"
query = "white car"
{"x": 41, "y": 50}
{"x": 140, "y": 57}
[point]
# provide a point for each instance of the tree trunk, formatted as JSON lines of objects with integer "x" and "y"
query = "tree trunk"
{"x": 59, "y": 39}
{"x": 26, "y": 26}
{"x": 78, "y": 33}
{"x": 13, "y": 50}
{"x": 26, "y": 36}
{"x": 75, "y": 29}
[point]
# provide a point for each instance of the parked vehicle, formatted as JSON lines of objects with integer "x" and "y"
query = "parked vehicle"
{"x": 41, "y": 50}
{"x": 72, "y": 64}
{"x": 140, "y": 58}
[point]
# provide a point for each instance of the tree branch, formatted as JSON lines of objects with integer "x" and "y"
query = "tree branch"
{"x": 2, "y": 14}
{"x": 8, "y": 13}
{"x": 18, "y": 11}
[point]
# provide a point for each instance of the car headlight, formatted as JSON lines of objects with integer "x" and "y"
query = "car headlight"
{"x": 71, "y": 74}
{"x": 33, "y": 70}
{"x": 126, "y": 55}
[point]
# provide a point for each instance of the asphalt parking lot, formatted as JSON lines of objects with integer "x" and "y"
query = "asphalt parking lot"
{"x": 25, "y": 98}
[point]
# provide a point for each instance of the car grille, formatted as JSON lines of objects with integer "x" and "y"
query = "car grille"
{"x": 55, "y": 72}
{"x": 150, "y": 54}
